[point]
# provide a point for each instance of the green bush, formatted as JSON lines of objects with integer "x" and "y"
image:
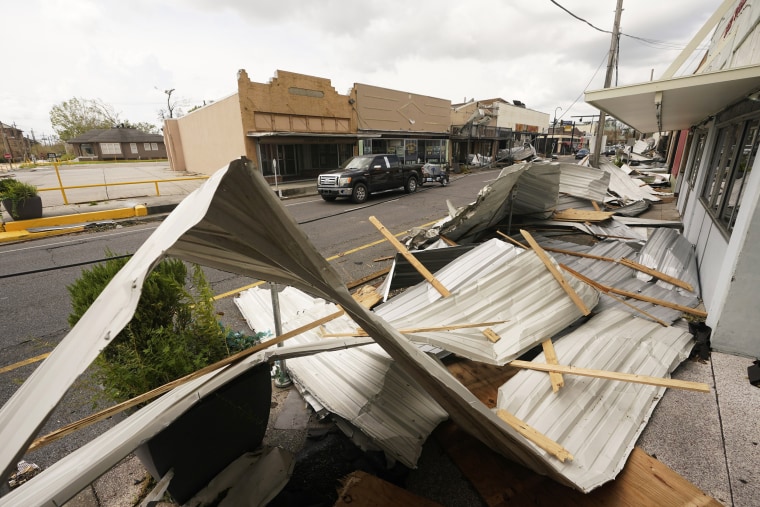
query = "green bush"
{"x": 17, "y": 192}
{"x": 173, "y": 332}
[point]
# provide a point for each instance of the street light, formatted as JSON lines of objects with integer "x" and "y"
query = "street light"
{"x": 168, "y": 101}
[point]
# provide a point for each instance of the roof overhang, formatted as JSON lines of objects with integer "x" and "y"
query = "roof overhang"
{"x": 298, "y": 134}
{"x": 677, "y": 103}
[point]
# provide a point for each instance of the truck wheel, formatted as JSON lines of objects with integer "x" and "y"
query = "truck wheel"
{"x": 329, "y": 198}
{"x": 411, "y": 185}
{"x": 359, "y": 194}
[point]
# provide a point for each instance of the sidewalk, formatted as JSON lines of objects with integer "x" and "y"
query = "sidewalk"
{"x": 60, "y": 218}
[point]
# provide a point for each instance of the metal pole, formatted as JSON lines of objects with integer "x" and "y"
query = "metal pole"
{"x": 607, "y": 81}
{"x": 282, "y": 379}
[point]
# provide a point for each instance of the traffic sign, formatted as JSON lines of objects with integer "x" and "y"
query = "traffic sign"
{"x": 7, "y": 156}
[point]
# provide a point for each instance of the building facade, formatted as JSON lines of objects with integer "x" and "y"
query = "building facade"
{"x": 714, "y": 119}
{"x": 484, "y": 127}
{"x": 118, "y": 144}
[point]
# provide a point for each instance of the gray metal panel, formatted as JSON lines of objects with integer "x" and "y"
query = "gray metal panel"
{"x": 516, "y": 288}
{"x": 537, "y": 190}
{"x": 583, "y": 182}
{"x": 362, "y": 385}
{"x": 597, "y": 420}
{"x": 670, "y": 252}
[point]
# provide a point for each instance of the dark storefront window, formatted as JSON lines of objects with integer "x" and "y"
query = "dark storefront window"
{"x": 303, "y": 160}
{"x": 410, "y": 151}
{"x": 730, "y": 166}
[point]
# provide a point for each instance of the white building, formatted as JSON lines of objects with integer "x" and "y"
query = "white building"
{"x": 714, "y": 119}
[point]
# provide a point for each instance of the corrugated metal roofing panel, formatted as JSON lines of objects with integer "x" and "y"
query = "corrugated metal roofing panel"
{"x": 597, "y": 420}
{"x": 363, "y": 385}
{"x": 583, "y": 182}
{"x": 537, "y": 190}
{"x": 518, "y": 289}
{"x": 670, "y": 252}
{"x": 621, "y": 277}
{"x": 565, "y": 202}
{"x": 219, "y": 226}
{"x": 491, "y": 206}
{"x": 624, "y": 186}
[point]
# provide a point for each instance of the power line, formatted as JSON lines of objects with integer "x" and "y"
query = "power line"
{"x": 653, "y": 43}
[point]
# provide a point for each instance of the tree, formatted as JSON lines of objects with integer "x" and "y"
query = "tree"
{"x": 74, "y": 117}
{"x": 142, "y": 126}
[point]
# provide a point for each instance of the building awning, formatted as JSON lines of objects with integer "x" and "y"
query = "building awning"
{"x": 676, "y": 103}
{"x": 299, "y": 134}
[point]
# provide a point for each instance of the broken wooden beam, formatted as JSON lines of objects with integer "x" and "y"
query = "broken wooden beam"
{"x": 611, "y": 375}
{"x": 427, "y": 275}
{"x": 633, "y": 295}
{"x": 430, "y": 329}
{"x": 535, "y": 436}
{"x": 551, "y": 357}
{"x": 555, "y": 272}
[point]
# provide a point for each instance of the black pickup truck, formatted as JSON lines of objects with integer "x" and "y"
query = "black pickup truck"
{"x": 364, "y": 174}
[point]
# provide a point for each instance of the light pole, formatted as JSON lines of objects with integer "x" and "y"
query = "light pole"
{"x": 168, "y": 101}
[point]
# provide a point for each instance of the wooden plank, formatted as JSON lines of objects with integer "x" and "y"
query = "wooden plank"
{"x": 612, "y": 375}
{"x": 555, "y": 272}
{"x": 576, "y": 215}
{"x": 635, "y": 295}
{"x": 451, "y": 327}
{"x": 551, "y": 357}
{"x": 538, "y": 438}
{"x": 360, "y": 489}
{"x": 371, "y": 276}
{"x": 427, "y": 275}
{"x": 367, "y": 296}
{"x": 596, "y": 206}
{"x": 657, "y": 274}
{"x": 511, "y": 240}
{"x": 491, "y": 335}
{"x": 502, "y": 483}
{"x": 629, "y": 264}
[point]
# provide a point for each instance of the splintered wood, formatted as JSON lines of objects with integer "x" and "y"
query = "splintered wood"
{"x": 427, "y": 275}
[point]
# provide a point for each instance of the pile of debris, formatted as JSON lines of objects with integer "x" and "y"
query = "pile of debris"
{"x": 601, "y": 310}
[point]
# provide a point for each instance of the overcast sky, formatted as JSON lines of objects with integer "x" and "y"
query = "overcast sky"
{"x": 126, "y": 53}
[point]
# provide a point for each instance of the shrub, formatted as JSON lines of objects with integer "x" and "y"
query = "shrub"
{"x": 17, "y": 192}
{"x": 173, "y": 332}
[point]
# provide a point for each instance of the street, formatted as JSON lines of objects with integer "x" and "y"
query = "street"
{"x": 34, "y": 301}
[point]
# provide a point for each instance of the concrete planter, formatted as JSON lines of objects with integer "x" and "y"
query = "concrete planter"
{"x": 216, "y": 431}
{"x": 26, "y": 209}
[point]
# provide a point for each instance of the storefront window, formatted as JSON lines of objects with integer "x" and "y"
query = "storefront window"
{"x": 699, "y": 149}
{"x": 731, "y": 163}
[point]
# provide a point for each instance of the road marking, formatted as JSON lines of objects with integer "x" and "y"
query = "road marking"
{"x": 31, "y": 360}
{"x": 328, "y": 259}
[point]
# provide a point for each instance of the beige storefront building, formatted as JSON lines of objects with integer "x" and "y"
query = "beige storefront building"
{"x": 296, "y": 126}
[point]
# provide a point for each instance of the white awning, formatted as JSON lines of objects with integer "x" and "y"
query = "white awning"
{"x": 677, "y": 103}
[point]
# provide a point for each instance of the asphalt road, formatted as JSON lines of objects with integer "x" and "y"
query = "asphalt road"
{"x": 34, "y": 301}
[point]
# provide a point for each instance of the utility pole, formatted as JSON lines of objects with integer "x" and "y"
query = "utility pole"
{"x": 607, "y": 81}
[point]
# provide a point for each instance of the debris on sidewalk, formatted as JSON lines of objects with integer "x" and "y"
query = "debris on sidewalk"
{"x": 608, "y": 346}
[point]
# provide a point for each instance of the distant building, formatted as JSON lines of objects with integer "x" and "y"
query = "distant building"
{"x": 14, "y": 144}
{"x": 118, "y": 144}
{"x": 486, "y": 126}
